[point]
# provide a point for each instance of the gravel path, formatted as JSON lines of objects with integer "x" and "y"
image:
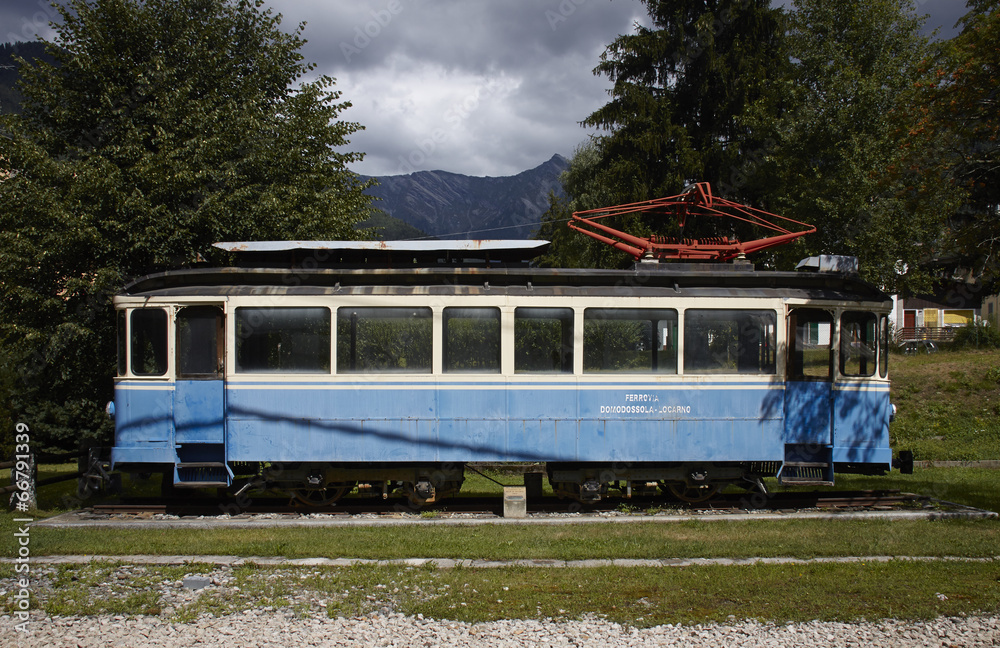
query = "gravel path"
{"x": 260, "y": 621}
{"x": 279, "y": 630}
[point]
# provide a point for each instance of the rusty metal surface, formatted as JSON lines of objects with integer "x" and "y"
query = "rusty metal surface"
{"x": 697, "y": 202}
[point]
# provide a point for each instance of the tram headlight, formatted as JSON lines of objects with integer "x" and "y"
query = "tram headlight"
{"x": 109, "y": 409}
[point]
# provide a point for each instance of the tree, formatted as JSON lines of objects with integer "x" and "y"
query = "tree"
{"x": 163, "y": 126}
{"x": 586, "y": 188}
{"x": 680, "y": 89}
{"x": 841, "y": 150}
{"x": 957, "y": 105}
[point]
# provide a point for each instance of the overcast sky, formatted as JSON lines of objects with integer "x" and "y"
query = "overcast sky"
{"x": 480, "y": 87}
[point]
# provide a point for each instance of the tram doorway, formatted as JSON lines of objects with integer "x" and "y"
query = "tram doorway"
{"x": 809, "y": 397}
{"x": 199, "y": 396}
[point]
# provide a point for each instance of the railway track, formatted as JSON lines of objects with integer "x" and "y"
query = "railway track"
{"x": 847, "y": 500}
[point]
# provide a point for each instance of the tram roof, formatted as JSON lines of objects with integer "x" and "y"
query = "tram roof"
{"x": 645, "y": 279}
{"x": 402, "y": 246}
{"x": 376, "y": 254}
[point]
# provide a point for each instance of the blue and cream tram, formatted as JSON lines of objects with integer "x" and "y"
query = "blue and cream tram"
{"x": 324, "y": 367}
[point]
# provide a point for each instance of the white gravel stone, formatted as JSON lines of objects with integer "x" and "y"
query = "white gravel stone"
{"x": 255, "y": 629}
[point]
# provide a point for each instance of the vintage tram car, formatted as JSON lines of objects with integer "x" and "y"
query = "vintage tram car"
{"x": 319, "y": 368}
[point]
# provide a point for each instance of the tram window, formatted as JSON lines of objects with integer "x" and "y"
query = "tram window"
{"x": 199, "y": 342}
{"x": 811, "y": 352}
{"x": 543, "y": 340}
{"x": 122, "y": 344}
{"x": 883, "y": 349}
{"x": 630, "y": 340}
{"x": 858, "y": 344}
{"x": 472, "y": 340}
{"x": 149, "y": 341}
{"x": 729, "y": 341}
{"x": 279, "y": 340}
{"x": 389, "y": 340}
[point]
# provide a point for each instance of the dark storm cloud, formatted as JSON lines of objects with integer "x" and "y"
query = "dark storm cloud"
{"x": 473, "y": 86}
{"x": 482, "y": 87}
{"x": 942, "y": 15}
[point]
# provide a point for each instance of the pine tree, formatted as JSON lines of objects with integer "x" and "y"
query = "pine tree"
{"x": 680, "y": 89}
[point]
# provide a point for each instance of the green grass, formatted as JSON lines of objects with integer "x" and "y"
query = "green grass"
{"x": 637, "y": 597}
{"x": 976, "y": 487}
{"x": 693, "y": 539}
{"x": 948, "y": 404}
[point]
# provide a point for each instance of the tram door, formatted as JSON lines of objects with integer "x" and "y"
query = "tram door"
{"x": 809, "y": 395}
{"x": 199, "y": 395}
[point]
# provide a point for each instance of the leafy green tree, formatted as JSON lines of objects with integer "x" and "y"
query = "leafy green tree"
{"x": 956, "y": 107}
{"x": 841, "y": 150}
{"x": 586, "y": 188}
{"x": 164, "y": 125}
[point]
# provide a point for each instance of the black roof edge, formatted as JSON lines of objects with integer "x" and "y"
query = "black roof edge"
{"x": 677, "y": 276}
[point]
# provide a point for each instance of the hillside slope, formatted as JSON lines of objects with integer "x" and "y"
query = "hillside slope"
{"x": 455, "y": 206}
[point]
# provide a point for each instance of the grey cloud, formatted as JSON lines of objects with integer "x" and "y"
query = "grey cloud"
{"x": 24, "y": 20}
{"x": 483, "y": 87}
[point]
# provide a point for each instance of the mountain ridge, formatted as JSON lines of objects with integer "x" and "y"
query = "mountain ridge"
{"x": 448, "y": 205}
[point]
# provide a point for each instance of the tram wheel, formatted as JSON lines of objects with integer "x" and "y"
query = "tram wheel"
{"x": 424, "y": 493}
{"x": 693, "y": 494}
{"x": 320, "y": 496}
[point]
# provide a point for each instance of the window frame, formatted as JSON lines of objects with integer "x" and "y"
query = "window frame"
{"x": 347, "y": 362}
{"x": 845, "y": 345}
{"x": 653, "y": 367}
{"x": 451, "y": 366}
{"x": 132, "y": 341}
{"x": 815, "y": 316}
{"x": 180, "y": 342}
{"x": 240, "y": 366}
{"x": 565, "y": 353}
{"x": 769, "y": 343}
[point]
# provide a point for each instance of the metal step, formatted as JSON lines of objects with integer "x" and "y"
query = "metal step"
{"x": 809, "y": 473}
{"x": 202, "y": 474}
{"x": 201, "y": 484}
{"x": 806, "y": 481}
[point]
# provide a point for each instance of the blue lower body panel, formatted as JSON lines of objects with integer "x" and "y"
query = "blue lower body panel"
{"x": 459, "y": 423}
{"x": 466, "y": 421}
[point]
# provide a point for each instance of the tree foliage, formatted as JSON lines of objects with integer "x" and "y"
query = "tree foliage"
{"x": 840, "y": 140}
{"x": 806, "y": 114}
{"x": 679, "y": 89}
{"x": 957, "y": 104}
{"x": 162, "y": 127}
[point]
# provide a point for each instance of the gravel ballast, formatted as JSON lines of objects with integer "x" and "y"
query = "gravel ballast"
{"x": 210, "y": 605}
{"x": 273, "y": 630}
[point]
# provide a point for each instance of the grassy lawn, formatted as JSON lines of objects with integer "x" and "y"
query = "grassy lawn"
{"x": 691, "y": 539}
{"x": 637, "y": 597}
{"x": 949, "y": 404}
